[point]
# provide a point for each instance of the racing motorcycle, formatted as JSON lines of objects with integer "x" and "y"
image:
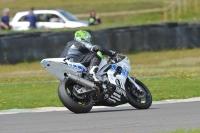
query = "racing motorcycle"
{"x": 79, "y": 92}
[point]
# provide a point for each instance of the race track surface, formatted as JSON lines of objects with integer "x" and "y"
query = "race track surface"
{"x": 159, "y": 118}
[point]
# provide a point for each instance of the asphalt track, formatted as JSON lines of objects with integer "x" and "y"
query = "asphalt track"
{"x": 159, "y": 118}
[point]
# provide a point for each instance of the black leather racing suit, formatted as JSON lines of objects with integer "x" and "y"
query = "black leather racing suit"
{"x": 82, "y": 52}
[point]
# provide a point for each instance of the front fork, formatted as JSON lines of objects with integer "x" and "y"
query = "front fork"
{"x": 137, "y": 87}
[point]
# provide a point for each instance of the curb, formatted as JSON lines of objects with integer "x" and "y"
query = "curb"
{"x": 51, "y": 109}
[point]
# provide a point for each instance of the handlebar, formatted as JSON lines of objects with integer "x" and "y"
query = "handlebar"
{"x": 116, "y": 58}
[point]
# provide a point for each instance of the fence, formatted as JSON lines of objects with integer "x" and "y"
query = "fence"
{"x": 180, "y": 7}
{"x": 170, "y": 13}
{"x": 35, "y": 46}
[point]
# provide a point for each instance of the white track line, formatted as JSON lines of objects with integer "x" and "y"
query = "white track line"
{"x": 50, "y": 109}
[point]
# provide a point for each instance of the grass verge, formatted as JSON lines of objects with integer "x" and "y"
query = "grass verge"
{"x": 195, "y": 130}
{"x": 168, "y": 75}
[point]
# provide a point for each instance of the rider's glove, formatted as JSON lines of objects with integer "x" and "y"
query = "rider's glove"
{"x": 95, "y": 48}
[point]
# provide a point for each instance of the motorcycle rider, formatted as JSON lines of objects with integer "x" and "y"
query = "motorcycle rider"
{"x": 81, "y": 50}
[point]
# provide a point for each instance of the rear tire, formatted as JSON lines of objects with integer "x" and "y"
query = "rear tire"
{"x": 135, "y": 101}
{"x": 71, "y": 102}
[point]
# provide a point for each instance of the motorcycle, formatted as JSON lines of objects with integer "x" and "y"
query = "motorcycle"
{"x": 79, "y": 92}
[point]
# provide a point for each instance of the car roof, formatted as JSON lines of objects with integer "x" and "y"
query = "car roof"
{"x": 40, "y": 11}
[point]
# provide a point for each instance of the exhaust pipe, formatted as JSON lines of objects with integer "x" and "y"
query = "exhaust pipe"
{"x": 82, "y": 81}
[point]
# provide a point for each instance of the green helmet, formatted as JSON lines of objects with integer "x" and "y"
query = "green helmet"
{"x": 82, "y": 36}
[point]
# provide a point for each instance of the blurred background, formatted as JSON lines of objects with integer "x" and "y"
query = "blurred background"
{"x": 115, "y": 12}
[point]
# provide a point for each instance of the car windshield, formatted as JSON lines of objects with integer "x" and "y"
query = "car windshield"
{"x": 68, "y": 15}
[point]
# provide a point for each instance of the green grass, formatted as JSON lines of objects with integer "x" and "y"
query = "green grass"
{"x": 80, "y": 7}
{"x": 195, "y": 130}
{"x": 178, "y": 87}
{"x": 168, "y": 75}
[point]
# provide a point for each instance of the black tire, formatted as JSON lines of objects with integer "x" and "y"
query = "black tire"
{"x": 71, "y": 104}
{"x": 133, "y": 100}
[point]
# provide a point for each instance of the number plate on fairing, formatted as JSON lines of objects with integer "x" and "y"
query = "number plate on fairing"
{"x": 121, "y": 77}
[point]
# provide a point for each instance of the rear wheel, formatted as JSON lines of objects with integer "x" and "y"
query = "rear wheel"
{"x": 74, "y": 102}
{"x": 143, "y": 101}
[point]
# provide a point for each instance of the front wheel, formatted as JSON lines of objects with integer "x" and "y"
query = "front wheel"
{"x": 72, "y": 101}
{"x": 139, "y": 102}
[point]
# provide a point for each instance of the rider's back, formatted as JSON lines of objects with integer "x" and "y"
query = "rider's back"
{"x": 75, "y": 49}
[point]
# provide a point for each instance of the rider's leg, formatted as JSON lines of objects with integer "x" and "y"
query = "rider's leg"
{"x": 94, "y": 66}
{"x": 91, "y": 61}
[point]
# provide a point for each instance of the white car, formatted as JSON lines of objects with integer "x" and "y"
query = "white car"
{"x": 51, "y": 19}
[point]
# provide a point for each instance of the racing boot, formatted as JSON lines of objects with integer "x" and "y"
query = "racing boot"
{"x": 93, "y": 70}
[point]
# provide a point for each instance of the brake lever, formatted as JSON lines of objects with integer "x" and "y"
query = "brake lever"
{"x": 110, "y": 59}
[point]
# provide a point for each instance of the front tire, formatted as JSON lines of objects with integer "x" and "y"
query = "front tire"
{"x": 136, "y": 102}
{"x": 70, "y": 101}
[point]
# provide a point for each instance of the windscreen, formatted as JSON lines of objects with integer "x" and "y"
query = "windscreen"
{"x": 68, "y": 15}
{"x": 120, "y": 57}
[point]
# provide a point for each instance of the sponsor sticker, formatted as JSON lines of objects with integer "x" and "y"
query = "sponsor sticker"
{"x": 120, "y": 91}
{"x": 117, "y": 95}
{"x": 115, "y": 98}
{"x": 112, "y": 100}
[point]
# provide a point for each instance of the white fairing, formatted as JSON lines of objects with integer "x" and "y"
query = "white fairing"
{"x": 57, "y": 67}
{"x": 125, "y": 64}
{"x": 102, "y": 63}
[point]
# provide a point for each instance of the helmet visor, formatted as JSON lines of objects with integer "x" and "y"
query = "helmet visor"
{"x": 88, "y": 38}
